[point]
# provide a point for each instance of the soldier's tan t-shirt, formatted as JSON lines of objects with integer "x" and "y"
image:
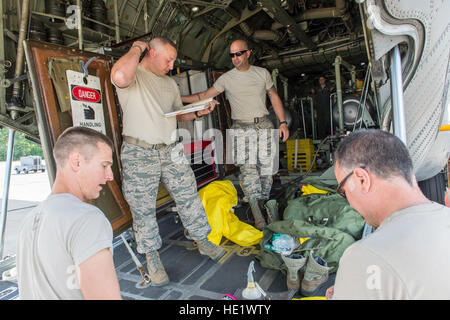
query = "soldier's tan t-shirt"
{"x": 246, "y": 91}
{"x": 407, "y": 257}
{"x": 144, "y": 103}
{"x": 53, "y": 240}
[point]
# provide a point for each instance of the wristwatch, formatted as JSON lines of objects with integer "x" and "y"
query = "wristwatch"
{"x": 283, "y": 122}
{"x": 196, "y": 115}
{"x": 136, "y": 46}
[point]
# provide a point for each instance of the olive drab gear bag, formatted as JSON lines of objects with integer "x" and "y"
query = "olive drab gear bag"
{"x": 328, "y": 243}
{"x": 327, "y": 220}
{"x": 329, "y": 210}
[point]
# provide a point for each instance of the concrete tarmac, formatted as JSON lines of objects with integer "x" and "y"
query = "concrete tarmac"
{"x": 25, "y": 192}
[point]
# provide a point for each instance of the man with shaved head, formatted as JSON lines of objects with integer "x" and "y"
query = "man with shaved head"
{"x": 246, "y": 87}
{"x": 146, "y": 93}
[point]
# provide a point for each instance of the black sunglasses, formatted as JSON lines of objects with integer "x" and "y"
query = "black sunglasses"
{"x": 238, "y": 53}
{"x": 340, "y": 186}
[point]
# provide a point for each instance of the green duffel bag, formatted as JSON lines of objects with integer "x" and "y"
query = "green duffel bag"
{"x": 329, "y": 210}
{"x": 328, "y": 243}
{"x": 293, "y": 190}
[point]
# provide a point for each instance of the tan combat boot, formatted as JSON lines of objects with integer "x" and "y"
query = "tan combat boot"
{"x": 316, "y": 273}
{"x": 156, "y": 271}
{"x": 207, "y": 248}
{"x": 260, "y": 222}
{"x": 272, "y": 211}
{"x": 294, "y": 263}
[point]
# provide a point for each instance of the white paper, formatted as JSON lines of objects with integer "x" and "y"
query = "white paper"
{"x": 195, "y": 106}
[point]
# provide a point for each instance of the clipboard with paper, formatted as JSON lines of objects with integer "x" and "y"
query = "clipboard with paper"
{"x": 195, "y": 106}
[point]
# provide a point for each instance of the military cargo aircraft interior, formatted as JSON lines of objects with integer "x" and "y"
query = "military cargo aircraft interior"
{"x": 337, "y": 66}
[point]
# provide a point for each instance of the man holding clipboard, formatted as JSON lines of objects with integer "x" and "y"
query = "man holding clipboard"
{"x": 150, "y": 152}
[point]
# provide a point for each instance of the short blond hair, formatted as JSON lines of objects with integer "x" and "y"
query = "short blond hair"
{"x": 81, "y": 139}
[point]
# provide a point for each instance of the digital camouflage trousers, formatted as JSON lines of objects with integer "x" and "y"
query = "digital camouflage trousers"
{"x": 255, "y": 147}
{"x": 143, "y": 169}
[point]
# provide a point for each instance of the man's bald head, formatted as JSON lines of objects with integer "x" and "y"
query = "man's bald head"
{"x": 238, "y": 45}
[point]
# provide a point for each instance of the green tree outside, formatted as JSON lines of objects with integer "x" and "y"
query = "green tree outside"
{"x": 22, "y": 146}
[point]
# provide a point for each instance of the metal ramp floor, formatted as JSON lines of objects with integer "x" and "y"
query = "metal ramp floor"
{"x": 192, "y": 276}
{"x": 196, "y": 277}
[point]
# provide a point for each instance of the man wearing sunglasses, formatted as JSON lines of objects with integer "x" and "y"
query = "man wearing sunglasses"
{"x": 407, "y": 257}
{"x": 246, "y": 87}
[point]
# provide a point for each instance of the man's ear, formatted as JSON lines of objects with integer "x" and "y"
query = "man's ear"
{"x": 74, "y": 160}
{"x": 364, "y": 178}
{"x": 152, "y": 52}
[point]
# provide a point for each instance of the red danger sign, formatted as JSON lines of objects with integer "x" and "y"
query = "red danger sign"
{"x": 85, "y": 94}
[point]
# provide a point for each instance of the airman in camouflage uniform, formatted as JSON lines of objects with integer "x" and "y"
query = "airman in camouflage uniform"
{"x": 150, "y": 153}
{"x": 246, "y": 87}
